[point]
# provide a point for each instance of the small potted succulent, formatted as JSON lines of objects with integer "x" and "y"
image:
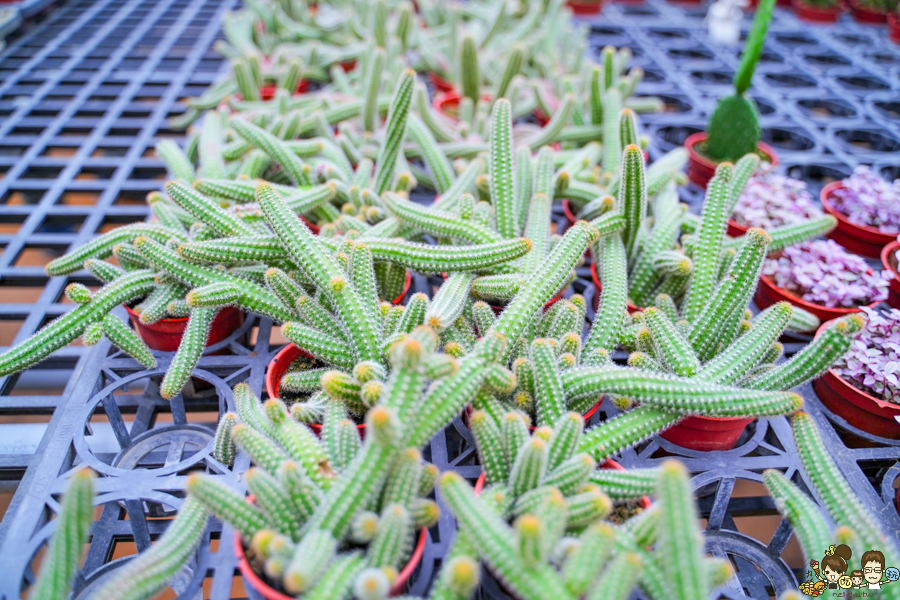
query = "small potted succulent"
{"x": 770, "y": 200}
{"x": 890, "y": 257}
{"x": 822, "y": 278}
{"x": 867, "y": 209}
{"x": 863, "y": 387}
{"x": 872, "y": 11}
{"x": 817, "y": 11}
{"x": 733, "y": 129}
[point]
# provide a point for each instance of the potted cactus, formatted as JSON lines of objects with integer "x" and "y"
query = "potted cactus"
{"x": 733, "y": 129}
{"x": 867, "y": 209}
{"x": 862, "y": 387}
{"x": 771, "y": 200}
{"x": 821, "y": 277}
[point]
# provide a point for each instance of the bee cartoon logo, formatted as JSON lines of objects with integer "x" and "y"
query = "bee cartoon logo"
{"x": 834, "y": 573}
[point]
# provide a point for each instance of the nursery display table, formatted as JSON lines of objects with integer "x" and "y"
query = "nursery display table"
{"x": 86, "y": 93}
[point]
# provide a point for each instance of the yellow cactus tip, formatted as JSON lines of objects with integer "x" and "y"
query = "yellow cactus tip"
{"x": 529, "y": 524}
{"x": 673, "y": 467}
{"x": 337, "y": 283}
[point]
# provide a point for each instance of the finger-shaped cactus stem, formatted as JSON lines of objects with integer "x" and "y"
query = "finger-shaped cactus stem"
{"x": 390, "y": 545}
{"x": 537, "y": 229}
{"x": 529, "y": 467}
{"x": 493, "y": 539}
{"x": 470, "y": 77}
{"x": 437, "y": 161}
{"x": 548, "y": 391}
{"x": 148, "y": 573}
{"x": 545, "y": 281}
{"x": 835, "y": 491}
{"x": 438, "y": 222}
{"x": 588, "y": 559}
{"x": 626, "y": 485}
{"x": 618, "y": 579}
{"x": 632, "y": 197}
{"x": 671, "y": 348}
{"x": 550, "y": 132}
{"x": 612, "y": 145}
{"x": 102, "y": 247}
{"x": 449, "y": 301}
{"x": 324, "y": 347}
{"x": 323, "y": 268}
{"x": 394, "y": 133}
{"x": 193, "y": 341}
{"x": 291, "y": 164}
{"x": 802, "y": 321}
{"x": 458, "y": 579}
{"x": 300, "y": 443}
{"x": 608, "y": 323}
{"x": 128, "y": 341}
{"x": 69, "y": 326}
{"x": 423, "y": 258}
{"x": 811, "y": 528}
{"x": 750, "y": 348}
{"x": 680, "y": 540}
{"x": 709, "y": 243}
{"x": 501, "y": 170}
{"x": 310, "y": 561}
{"x": 220, "y": 293}
{"x": 224, "y": 449}
{"x": 613, "y": 436}
{"x": 797, "y": 233}
{"x": 176, "y": 161}
{"x": 732, "y": 295}
{"x": 207, "y": 210}
{"x": 338, "y": 579}
{"x": 815, "y": 358}
{"x": 489, "y": 440}
{"x": 274, "y": 501}
{"x": 102, "y": 270}
{"x": 374, "y": 74}
{"x": 64, "y": 551}
{"x": 250, "y": 410}
{"x": 673, "y": 393}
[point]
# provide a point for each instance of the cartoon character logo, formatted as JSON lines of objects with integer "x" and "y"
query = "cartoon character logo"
{"x": 832, "y": 573}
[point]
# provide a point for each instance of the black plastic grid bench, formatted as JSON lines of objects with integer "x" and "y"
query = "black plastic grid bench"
{"x": 85, "y": 95}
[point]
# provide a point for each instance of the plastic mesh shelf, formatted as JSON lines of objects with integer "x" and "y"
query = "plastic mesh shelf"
{"x": 85, "y": 96}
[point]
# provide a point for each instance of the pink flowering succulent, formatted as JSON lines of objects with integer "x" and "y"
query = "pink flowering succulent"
{"x": 873, "y": 362}
{"x": 868, "y": 200}
{"x": 771, "y": 200}
{"x": 822, "y": 272}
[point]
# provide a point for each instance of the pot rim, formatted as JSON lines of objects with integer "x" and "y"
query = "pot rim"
{"x": 886, "y": 253}
{"x": 806, "y": 304}
{"x": 825, "y": 199}
{"x": 701, "y": 136}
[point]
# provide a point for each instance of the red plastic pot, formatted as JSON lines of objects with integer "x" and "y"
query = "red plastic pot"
{"x": 267, "y": 92}
{"x": 889, "y": 262}
{"x": 585, "y": 7}
{"x": 599, "y": 287}
{"x": 707, "y": 433}
{"x": 735, "y": 229}
{"x": 269, "y": 593}
{"x": 440, "y": 84}
{"x": 279, "y": 366}
{"x": 406, "y": 287}
{"x": 447, "y": 103}
{"x": 861, "y": 239}
{"x": 866, "y": 15}
{"x": 609, "y": 464}
{"x": 815, "y": 14}
{"x": 894, "y": 33}
{"x": 767, "y": 294}
{"x": 862, "y": 410}
{"x": 165, "y": 335}
{"x": 701, "y": 169}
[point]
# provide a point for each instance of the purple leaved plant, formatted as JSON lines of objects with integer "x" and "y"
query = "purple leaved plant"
{"x": 873, "y": 362}
{"x": 868, "y": 200}
{"x": 770, "y": 200}
{"x": 822, "y": 272}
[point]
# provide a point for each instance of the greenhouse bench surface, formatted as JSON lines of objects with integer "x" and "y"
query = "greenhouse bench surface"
{"x": 85, "y": 94}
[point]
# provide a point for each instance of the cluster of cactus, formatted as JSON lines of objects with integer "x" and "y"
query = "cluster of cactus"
{"x": 337, "y": 515}
{"x": 733, "y": 129}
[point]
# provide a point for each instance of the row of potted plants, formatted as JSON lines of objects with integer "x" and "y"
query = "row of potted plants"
{"x": 296, "y": 207}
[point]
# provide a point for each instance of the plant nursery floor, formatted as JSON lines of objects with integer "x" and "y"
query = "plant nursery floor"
{"x": 84, "y": 96}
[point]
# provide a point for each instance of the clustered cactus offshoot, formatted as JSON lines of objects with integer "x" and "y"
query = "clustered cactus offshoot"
{"x": 299, "y": 208}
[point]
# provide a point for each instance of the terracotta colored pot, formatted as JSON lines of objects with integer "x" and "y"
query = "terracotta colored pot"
{"x": 440, "y": 84}
{"x": 165, "y": 335}
{"x": 596, "y": 279}
{"x": 855, "y": 406}
{"x": 815, "y": 14}
{"x": 254, "y": 581}
{"x": 585, "y": 7}
{"x": 701, "y": 169}
{"x": 707, "y": 433}
{"x": 861, "y": 239}
{"x": 894, "y": 34}
{"x": 889, "y": 262}
{"x": 767, "y": 294}
{"x": 609, "y": 464}
{"x": 735, "y": 229}
{"x": 864, "y": 14}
